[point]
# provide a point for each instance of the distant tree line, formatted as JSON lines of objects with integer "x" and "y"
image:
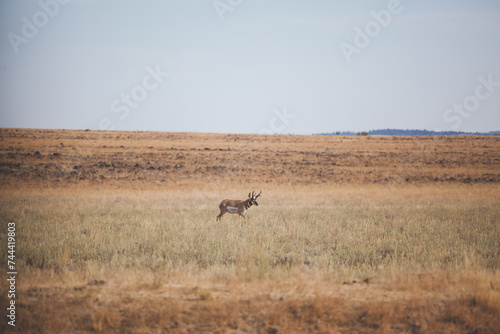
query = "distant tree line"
{"x": 400, "y": 132}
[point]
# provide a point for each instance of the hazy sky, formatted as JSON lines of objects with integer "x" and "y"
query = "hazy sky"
{"x": 250, "y": 66}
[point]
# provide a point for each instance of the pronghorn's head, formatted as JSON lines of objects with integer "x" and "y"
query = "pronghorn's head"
{"x": 253, "y": 198}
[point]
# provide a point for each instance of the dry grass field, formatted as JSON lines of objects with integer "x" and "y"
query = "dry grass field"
{"x": 116, "y": 233}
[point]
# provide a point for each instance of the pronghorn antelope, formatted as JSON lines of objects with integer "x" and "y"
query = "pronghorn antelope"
{"x": 237, "y": 206}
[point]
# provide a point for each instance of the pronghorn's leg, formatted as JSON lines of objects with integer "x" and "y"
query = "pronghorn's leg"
{"x": 242, "y": 215}
{"x": 222, "y": 212}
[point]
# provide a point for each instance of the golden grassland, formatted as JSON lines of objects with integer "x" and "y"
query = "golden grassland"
{"x": 139, "y": 251}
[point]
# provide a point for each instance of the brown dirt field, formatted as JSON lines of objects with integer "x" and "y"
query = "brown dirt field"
{"x": 60, "y": 158}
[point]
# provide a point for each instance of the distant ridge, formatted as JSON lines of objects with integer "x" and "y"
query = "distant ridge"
{"x": 400, "y": 132}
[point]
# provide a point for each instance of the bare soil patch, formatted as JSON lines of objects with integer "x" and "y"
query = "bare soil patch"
{"x": 59, "y": 157}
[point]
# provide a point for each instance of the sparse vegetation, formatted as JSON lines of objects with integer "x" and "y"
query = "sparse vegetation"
{"x": 105, "y": 255}
{"x": 128, "y": 159}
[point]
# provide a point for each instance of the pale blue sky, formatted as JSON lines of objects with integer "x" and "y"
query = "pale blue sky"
{"x": 250, "y": 66}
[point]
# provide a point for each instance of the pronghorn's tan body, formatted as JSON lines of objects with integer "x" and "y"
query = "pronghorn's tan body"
{"x": 237, "y": 206}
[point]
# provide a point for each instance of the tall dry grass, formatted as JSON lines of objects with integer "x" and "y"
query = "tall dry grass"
{"x": 316, "y": 232}
{"x": 291, "y": 255}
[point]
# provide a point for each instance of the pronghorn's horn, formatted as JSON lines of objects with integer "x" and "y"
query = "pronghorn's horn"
{"x": 258, "y": 194}
{"x": 253, "y": 194}
{"x": 249, "y": 195}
